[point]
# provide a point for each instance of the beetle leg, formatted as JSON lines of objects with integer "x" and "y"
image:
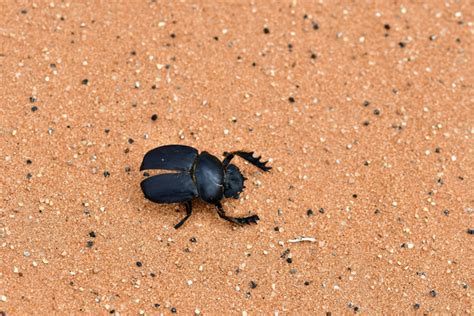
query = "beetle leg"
{"x": 236, "y": 220}
{"x": 189, "y": 211}
{"x": 247, "y": 156}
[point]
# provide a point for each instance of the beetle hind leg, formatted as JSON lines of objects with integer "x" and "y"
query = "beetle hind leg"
{"x": 189, "y": 211}
{"x": 236, "y": 220}
{"x": 247, "y": 156}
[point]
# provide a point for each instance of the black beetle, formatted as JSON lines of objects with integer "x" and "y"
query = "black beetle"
{"x": 198, "y": 175}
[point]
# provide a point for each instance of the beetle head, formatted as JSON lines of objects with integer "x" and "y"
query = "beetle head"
{"x": 233, "y": 182}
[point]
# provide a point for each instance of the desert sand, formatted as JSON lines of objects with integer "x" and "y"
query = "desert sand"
{"x": 364, "y": 110}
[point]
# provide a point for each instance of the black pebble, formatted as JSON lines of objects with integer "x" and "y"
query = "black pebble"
{"x": 266, "y": 30}
{"x": 139, "y": 264}
{"x": 377, "y": 112}
{"x": 470, "y": 231}
{"x": 131, "y": 141}
{"x": 29, "y": 162}
{"x": 416, "y": 306}
{"x": 193, "y": 239}
{"x": 85, "y": 81}
{"x": 92, "y": 234}
{"x": 291, "y": 99}
{"x": 433, "y": 293}
{"x": 157, "y": 305}
{"x": 387, "y": 26}
{"x": 252, "y": 284}
{"x": 33, "y": 99}
{"x": 289, "y": 260}
{"x": 309, "y": 212}
{"x": 306, "y": 283}
{"x": 366, "y": 103}
{"x": 90, "y": 243}
{"x": 154, "y": 117}
{"x": 402, "y": 45}
{"x": 173, "y": 310}
{"x": 313, "y": 56}
{"x": 34, "y": 108}
{"x": 106, "y": 174}
{"x": 315, "y": 26}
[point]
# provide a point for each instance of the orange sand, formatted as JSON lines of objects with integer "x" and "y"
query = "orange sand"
{"x": 389, "y": 181}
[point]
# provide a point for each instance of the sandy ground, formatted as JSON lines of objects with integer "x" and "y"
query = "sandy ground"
{"x": 364, "y": 108}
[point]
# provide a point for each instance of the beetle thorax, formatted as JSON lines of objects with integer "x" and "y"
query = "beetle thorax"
{"x": 209, "y": 177}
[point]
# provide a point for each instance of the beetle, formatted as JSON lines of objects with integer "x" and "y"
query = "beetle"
{"x": 196, "y": 175}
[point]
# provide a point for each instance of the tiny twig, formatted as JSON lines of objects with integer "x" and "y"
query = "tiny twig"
{"x": 301, "y": 238}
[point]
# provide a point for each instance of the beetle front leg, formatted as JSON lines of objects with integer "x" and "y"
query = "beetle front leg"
{"x": 247, "y": 155}
{"x": 236, "y": 220}
{"x": 189, "y": 211}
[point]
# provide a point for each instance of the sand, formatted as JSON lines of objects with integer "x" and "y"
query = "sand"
{"x": 364, "y": 109}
